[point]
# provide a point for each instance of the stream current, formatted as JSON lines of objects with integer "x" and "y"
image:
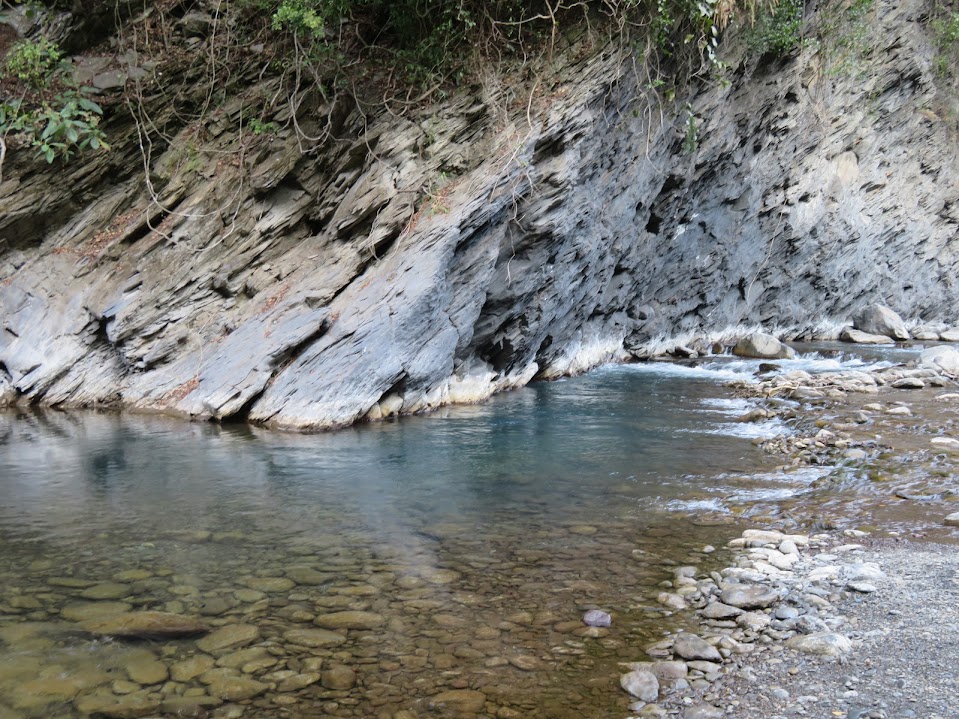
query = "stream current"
{"x": 451, "y": 556}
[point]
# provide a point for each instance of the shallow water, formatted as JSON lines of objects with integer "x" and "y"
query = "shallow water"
{"x": 472, "y": 539}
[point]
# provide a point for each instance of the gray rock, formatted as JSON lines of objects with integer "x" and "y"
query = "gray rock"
{"x": 941, "y": 358}
{"x": 863, "y": 338}
{"x": 703, "y": 711}
{"x": 880, "y": 320}
{"x": 750, "y": 597}
{"x": 597, "y": 618}
{"x": 718, "y": 610}
{"x": 827, "y": 644}
{"x": 690, "y": 646}
{"x": 763, "y": 346}
{"x": 951, "y": 520}
{"x": 640, "y": 684}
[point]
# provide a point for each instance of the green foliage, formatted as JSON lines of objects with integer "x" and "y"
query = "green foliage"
{"x": 691, "y": 139}
{"x": 777, "y": 30}
{"x": 259, "y": 127}
{"x": 55, "y": 129}
{"x": 33, "y": 61}
{"x": 846, "y": 37}
{"x": 55, "y": 122}
{"x": 946, "y": 35}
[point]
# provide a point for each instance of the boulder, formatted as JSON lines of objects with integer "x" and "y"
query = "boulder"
{"x": 942, "y": 358}
{"x": 880, "y": 320}
{"x": 759, "y": 345}
{"x": 863, "y": 338}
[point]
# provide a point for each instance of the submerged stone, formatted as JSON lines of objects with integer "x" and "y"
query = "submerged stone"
{"x": 146, "y": 625}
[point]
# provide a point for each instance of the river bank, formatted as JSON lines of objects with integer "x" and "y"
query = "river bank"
{"x": 855, "y": 616}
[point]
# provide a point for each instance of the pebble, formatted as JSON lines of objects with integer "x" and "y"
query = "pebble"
{"x": 350, "y": 620}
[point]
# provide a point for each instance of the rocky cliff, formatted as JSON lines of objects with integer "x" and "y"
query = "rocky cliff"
{"x": 405, "y": 262}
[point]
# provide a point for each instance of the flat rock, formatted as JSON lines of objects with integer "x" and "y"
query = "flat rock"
{"x": 641, "y": 684}
{"x": 107, "y": 590}
{"x": 703, "y": 711}
{"x": 314, "y": 637}
{"x": 690, "y": 646}
{"x": 87, "y": 611}
{"x": 718, "y": 610}
{"x": 951, "y": 520}
{"x": 750, "y": 597}
{"x": 825, "y": 644}
{"x": 146, "y": 625}
{"x": 466, "y": 701}
{"x": 235, "y": 688}
{"x": 188, "y": 669}
{"x": 270, "y": 584}
{"x": 146, "y": 669}
{"x": 863, "y": 338}
{"x": 350, "y": 620}
{"x": 232, "y": 636}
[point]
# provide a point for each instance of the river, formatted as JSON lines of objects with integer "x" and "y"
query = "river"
{"x": 465, "y": 546}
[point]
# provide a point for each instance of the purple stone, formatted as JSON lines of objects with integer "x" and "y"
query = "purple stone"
{"x": 596, "y": 618}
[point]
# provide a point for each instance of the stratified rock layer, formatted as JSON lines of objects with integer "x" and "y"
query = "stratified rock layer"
{"x": 409, "y": 263}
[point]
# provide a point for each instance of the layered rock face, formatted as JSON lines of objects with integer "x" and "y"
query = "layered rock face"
{"x": 406, "y": 263}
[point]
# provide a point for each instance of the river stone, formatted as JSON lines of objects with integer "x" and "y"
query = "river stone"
{"x": 229, "y": 637}
{"x": 146, "y": 625}
{"x": 763, "y": 346}
{"x": 641, "y": 684}
{"x": 313, "y": 637}
{"x": 942, "y": 358}
{"x": 248, "y": 596}
{"x": 863, "y": 338}
{"x": 70, "y": 582}
{"x": 131, "y": 706}
{"x": 235, "y": 688}
{"x": 270, "y": 584}
{"x": 826, "y": 644}
{"x": 750, "y": 597}
{"x": 307, "y": 576}
{"x": 188, "y": 669}
{"x": 718, "y": 610}
{"x": 338, "y": 677}
{"x": 107, "y": 590}
{"x": 189, "y": 707}
{"x": 690, "y": 646}
{"x": 703, "y": 711}
{"x": 440, "y": 576}
{"x": 85, "y": 611}
{"x": 597, "y": 618}
{"x": 465, "y": 701}
{"x": 951, "y": 520}
{"x": 350, "y": 620}
{"x": 235, "y": 660}
{"x": 147, "y": 669}
{"x": 298, "y": 681}
{"x": 880, "y": 320}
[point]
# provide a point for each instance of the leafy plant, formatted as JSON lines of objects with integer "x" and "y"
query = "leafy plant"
{"x": 777, "y": 30}
{"x": 33, "y": 61}
{"x": 56, "y": 123}
{"x": 946, "y": 35}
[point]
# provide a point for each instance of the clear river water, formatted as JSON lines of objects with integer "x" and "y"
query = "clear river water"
{"x": 433, "y": 566}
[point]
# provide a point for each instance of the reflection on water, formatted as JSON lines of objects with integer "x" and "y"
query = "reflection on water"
{"x": 464, "y": 547}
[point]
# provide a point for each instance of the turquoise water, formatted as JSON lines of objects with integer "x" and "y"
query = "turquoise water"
{"x": 475, "y": 538}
